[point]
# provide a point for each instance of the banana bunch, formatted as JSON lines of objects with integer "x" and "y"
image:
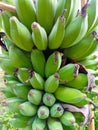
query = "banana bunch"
{"x": 47, "y": 48}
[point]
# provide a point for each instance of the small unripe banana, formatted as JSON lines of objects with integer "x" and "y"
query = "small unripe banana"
{"x": 39, "y": 36}
{"x": 25, "y": 9}
{"x": 68, "y": 72}
{"x": 35, "y": 96}
{"x": 38, "y": 124}
{"x": 69, "y": 95}
{"x": 43, "y": 112}
{"x": 53, "y": 63}
{"x": 54, "y": 124}
{"x": 36, "y": 81}
{"x": 36, "y": 57}
{"x": 48, "y": 99}
{"x": 27, "y": 109}
{"x": 56, "y": 110}
{"x": 57, "y": 33}
{"x": 52, "y": 83}
{"x": 20, "y": 34}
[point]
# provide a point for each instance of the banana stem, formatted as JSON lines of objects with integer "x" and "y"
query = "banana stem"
{"x": 8, "y": 7}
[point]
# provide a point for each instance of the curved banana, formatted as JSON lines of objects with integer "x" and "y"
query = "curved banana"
{"x": 43, "y": 112}
{"x": 45, "y": 10}
{"x": 69, "y": 95}
{"x": 56, "y": 110}
{"x": 57, "y": 33}
{"x": 76, "y": 83}
{"x": 20, "y": 34}
{"x": 35, "y": 96}
{"x": 88, "y": 45}
{"x": 25, "y": 9}
{"x": 76, "y": 30}
{"x": 53, "y": 63}
{"x": 18, "y": 58}
{"x": 38, "y": 124}
{"x": 52, "y": 83}
{"x": 68, "y": 119}
{"x": 21, "y": 90}
{"x": 36, "y": 57}
{"x": 39, "y": 36}
{"x": 49, "y": 99}
{"x": 68, "y": 73}
{"x": 23, "y": 107}
{"x": 54, "y": 124}
{"x": 36, "y": 81}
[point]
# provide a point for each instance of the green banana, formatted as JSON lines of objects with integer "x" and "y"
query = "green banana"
{"x": 45, "y": 10}
{"x": 20, "y": 121}
{"x": 53, "y": 63}
{"x": 52, "y": 83}
{"x": 69, "y": 95}
{"x": 76, "y": 30}
{"x": 89, "y": 45}
{"x": 68, "y": 72}
{"x": 27, "y": 109}
{"x": 13, "y": 104}
{"x": 92, "y": 14}
{"x": 18, "y": 58}
{"x": 57, "y": 33}
{"x": 43, "y": 112}
{"x": 9, "y": 77}
{"x": 25, "y": 9}
{"x": 38, "y": 124}
{"x": 54, "y": 124}
{"x": 35, "y": 96}
{"x": 20, "y": 34}
{"x": 36, "y": 57}
{"x": 49, "y": 99}
{"x": 5, "y": 23}
{"x": 59, "y": 8}
{"x": 72, "y": 6}
{"x": 56, "y": 110}
{"x": 76, "y": 83}
{"x": 23, "y": 75}
{"x": 36, "y": 81}
{"x": 39, "y": 36}
{"x": 26, "y": 128}
{"x": 7, "y": 42}
{"x": 8, "y": 93}
{"x": 6, "y": 65}
{"x": 68, "y": 119}
{"x": 21, "y": 90}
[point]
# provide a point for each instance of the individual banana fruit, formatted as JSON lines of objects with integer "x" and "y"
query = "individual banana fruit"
{"x": 20, "y": 34}
{"x": 49, "y": 99}
{"x": 57, "y": 33}
{"x": 53, "y": 63}
{"x": 39, "y": 36}
{"x": 35, "y": 96}
{"x": 52, "y": 83}
{"x": 25, "y": 9}
{"x": 18, "y": 58}
{"x": 56, "y": 110}
{"x": 45, "y": 13}
{"x": 27, "y": 109}
{"x": 54, "y": 124}
{"x": 76, "y": 83}
{"x": 36, "y": 57}
{"x": 89, "y": 45}
{"x": 76, "y": 30}
{"x": 68, "y": 72}
{"x": 39, "y": 124}
{"x": 69, "y": 95}
{"x": 68, "y": 119}
{"x": 21, "y": 90}
{"x": 43, "y": 112}
{"x": 36, "y": 81}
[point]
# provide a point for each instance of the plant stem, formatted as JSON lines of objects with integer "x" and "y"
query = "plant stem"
{"x": 8, "y": 7}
